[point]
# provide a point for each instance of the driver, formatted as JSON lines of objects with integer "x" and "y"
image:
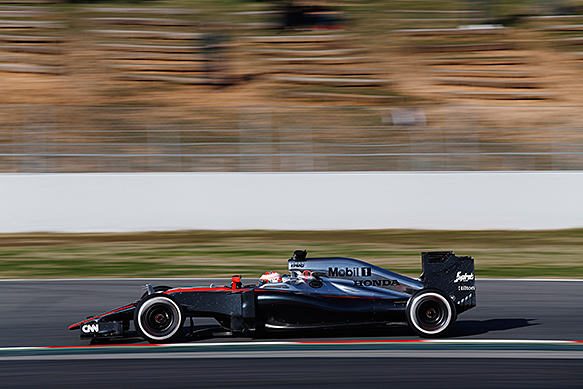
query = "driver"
{"x": 295, "y": 277}
{"x": 270, "y": 277}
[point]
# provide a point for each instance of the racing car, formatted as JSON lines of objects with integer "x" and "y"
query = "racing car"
{"x": 318, "y": 293}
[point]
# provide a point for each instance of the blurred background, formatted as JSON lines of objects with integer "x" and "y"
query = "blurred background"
{"x": 242, "y": 85}
{"x": 491, "y": 87}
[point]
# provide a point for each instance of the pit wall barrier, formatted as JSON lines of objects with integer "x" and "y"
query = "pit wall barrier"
{"x": 290, "y": 201}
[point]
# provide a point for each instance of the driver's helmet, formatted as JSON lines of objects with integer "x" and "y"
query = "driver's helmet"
{"x": 269, "y": 277}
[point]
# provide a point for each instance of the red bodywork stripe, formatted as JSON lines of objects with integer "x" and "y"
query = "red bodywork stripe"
{"x": 225, "y": 289}
{"x": 215, "y": 289}
{"x": 72, "y": 326}
{"x": 326, "y": 295}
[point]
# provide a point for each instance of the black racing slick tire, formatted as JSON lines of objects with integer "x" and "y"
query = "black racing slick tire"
{"x": 430, "y": 313}
{"x": 158, "y": 318}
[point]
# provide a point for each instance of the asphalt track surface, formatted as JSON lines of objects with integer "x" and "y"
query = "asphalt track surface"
{"x": 522, "y": 334}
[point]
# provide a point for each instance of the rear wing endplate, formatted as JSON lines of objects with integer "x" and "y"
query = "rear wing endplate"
{"x": 452, "y": 275}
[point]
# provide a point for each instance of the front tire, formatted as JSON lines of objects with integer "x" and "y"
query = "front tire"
{"x": 158, "y": 318}
{"x": 430, "y": 313}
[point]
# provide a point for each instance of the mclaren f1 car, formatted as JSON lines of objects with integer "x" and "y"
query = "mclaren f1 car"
{"x": 318, "y": 293}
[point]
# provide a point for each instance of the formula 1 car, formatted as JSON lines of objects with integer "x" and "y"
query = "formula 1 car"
{"x": 319, "y": 293}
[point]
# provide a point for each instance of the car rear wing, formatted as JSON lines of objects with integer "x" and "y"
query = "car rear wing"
{"x": 452, "y": 275}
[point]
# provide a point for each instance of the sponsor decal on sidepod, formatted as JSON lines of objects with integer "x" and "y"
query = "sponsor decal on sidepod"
{"x": 376, "y": 283}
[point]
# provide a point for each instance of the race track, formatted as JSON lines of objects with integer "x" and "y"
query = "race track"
{"x": 514, "y": 337}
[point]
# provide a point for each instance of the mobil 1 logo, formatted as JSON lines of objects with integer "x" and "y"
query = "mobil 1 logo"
{"x": 349, "y": 272}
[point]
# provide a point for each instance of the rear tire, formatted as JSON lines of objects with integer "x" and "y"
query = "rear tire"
{"x": 430, "y": 313}
{"x": 158, "y": 318}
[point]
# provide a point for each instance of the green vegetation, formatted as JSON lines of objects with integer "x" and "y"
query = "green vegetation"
{"x": 541, "y": 254}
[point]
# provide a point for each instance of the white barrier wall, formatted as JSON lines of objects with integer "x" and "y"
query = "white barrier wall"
{"x": 290, "y": 201}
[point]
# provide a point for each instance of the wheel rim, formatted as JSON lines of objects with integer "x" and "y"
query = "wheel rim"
{"x": 159, "y": 318}
{"x": 431, "y": 313}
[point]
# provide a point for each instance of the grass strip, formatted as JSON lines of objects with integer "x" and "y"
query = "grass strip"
{"x": 517, "y": 254}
